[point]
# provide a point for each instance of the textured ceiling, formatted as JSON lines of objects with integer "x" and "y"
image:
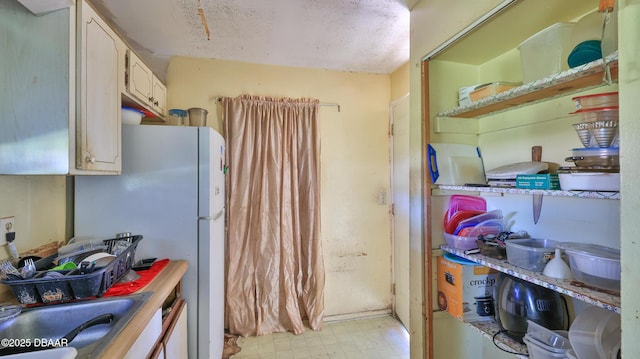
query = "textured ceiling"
{"x": 369, "y": 36}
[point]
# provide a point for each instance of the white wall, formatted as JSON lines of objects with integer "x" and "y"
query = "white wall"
{"x": 354, "y": 163}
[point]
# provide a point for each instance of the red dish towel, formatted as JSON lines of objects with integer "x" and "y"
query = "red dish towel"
{"x": 146, "y": 276}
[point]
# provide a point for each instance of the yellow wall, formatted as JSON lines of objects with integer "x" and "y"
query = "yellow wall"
{"x": 39, "y": 205}
{"x": 400, "y": 82}
{"x": 354, "y": 162}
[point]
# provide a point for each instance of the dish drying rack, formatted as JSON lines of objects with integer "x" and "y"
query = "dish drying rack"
{"x": 74, "y": 284}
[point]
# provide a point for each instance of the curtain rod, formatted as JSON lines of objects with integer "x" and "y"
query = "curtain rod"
{"x": 324, "y": 104}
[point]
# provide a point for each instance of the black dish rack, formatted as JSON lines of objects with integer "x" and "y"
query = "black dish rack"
{"x": 76, "y": 283}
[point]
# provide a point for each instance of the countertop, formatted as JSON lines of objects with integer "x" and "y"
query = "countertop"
{"x": 161, "y": 286}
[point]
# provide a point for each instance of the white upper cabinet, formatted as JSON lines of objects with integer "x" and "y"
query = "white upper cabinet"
{"x": 159, "y": 95}
{"x": 60, "y": 92}
{"x": 143, "y": 86}
{"x": 98, "y": 110}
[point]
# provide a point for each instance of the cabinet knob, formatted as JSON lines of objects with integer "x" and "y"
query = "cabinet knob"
{"x": 150, "y": 99}
{"x": 91, "y": 159}
{"x": 156, "y": 103}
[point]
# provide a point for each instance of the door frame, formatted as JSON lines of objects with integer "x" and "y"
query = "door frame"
{"x": 392, "y": 105}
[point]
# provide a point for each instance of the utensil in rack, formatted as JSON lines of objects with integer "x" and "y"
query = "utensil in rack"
{"x": 28, "y": 270}
{"x": 7, "y": 268}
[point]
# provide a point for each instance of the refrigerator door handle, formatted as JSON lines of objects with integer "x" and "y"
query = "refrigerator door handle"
{"x": 218, "y": 215}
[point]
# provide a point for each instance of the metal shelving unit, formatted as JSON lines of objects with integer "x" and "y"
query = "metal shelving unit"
{"x": 601, "y": 299}
{"x": 442, "y": 189}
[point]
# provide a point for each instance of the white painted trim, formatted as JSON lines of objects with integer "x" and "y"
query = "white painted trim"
{"x": 503, "y": 5}
{"x": 360, "y": 315}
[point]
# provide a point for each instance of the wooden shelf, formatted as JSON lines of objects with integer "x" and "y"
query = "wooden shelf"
{"x": 601, "y": 299}
{"x": 573, "y": 80}
{"x": 442, "y": 189}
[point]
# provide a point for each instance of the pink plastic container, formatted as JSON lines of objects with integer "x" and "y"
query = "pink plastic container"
{"x": 459, "y": 202}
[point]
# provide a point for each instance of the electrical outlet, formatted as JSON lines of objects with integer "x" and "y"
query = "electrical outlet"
{"x": 7, "y": 224}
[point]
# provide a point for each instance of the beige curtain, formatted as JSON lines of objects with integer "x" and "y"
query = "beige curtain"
{"x": 275, "y": 270}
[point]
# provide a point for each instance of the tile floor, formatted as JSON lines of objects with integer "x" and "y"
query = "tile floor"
{"x": 380, "y": 337}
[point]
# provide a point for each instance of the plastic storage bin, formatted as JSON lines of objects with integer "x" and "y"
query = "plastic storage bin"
{"x": 459, "y": 242}
{"x": 530, "y": 253}
{"x": 595, "y": 333}
{"x": 178, "y": 117}
{"x": 546, "y": 52}
{"x": 551, "y": 340}
{"x": 594, "y": 265}
{"x": 74, "y": 284}
{"x": 538, "y": 350}
{"x": 197, "y": 116}
{"x": 590, "y": 181}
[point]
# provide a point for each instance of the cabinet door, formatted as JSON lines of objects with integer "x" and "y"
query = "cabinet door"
{"x": 159, "y": 96}
{"x": 175, "y": 340}
{"x": 140, "y": 84}
{"x": 144, "y": 345}
{"x": 98, "y": 108}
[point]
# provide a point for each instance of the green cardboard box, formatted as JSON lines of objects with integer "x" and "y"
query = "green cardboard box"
{"x": 538, "y": 181}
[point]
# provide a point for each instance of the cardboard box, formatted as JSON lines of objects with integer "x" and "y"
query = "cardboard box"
{"x": 463, "y": 95}
{"x": 466, "y": 290}
{"x": 491, "y": 89}
{"x": 538, "y": 181}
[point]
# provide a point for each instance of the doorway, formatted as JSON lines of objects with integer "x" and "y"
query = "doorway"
{"x": 399, "y": 147}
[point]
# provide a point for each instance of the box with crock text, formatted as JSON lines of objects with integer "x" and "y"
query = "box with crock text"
{"x": 465, "y": 289}
{"x": 538, "y": 181}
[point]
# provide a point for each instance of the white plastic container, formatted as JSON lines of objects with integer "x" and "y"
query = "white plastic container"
{"x": 197, "y": 116}
{"x": 538, "y": 350}
{"x": 595, "y": 334}
{"x": 546, "y": 52}
{"x": 530, "y": 253}
{"x": 551, "y": 340}
{"x": 594, "y": 265}
{"x": 590, "y": 181}
{"x": 131, "y": 116}
{"x": 178, "y": 117}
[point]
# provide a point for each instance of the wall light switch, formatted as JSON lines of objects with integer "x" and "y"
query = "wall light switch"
{"x": 7, "y": 224}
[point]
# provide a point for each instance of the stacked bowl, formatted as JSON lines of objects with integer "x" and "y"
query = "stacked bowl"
{"x": 599, "y": 119}
{"x": 597, "y": 166}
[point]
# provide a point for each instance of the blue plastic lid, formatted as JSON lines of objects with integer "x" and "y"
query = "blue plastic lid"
{"x": 585, "y": 52}
{"x": 177, "y": 112}
{"x": 456, "y": 259}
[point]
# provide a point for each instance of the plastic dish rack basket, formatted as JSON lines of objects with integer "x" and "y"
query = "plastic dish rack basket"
{"x": 75, "y": 284}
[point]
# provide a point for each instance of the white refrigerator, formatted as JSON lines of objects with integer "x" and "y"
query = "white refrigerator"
{"x": 171, "y": 192}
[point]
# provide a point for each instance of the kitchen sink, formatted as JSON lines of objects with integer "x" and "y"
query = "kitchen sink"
{"x": 44, "y": 325}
